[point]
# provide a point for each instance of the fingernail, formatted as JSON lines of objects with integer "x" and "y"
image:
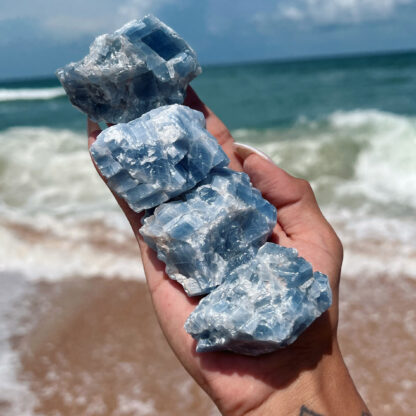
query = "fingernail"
{"x": 244, "y": 151}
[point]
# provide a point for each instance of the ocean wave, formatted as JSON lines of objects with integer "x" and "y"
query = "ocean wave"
{"x": 45, "y": 170}
{"x": 44, "y": 251}
{"x": 356, "y": 157}
{"x": 361, "y": 166}
{"x": 374, "y": 245}
{"x": 57, "y": 218}
{"x": 385, "y": 170}
{"x": 26, "y": 94}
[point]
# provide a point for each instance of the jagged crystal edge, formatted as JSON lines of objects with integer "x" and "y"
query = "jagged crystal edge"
{"x": 209, "y": 231}
{"x": 262, "y": 306}
{"x": 143, "y": 65}
{"x": 158, "y": 156}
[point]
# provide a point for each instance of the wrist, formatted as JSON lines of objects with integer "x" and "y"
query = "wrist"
{"x": 325, "y": 389}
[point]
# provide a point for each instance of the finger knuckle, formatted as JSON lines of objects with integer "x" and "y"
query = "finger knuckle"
{"x": 252, "y": 161}
{"x": 222, "y": 134}
{"x": 304, "y": 186}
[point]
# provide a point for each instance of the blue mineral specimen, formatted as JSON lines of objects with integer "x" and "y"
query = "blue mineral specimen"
{"x": 141, "y": 66}
{"x": 261, "y": 306}
{"x": 162, "y": 154}
{"x": 209, "y": 231}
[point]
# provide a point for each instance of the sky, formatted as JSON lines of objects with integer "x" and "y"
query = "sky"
{"x": 37, "y": 36}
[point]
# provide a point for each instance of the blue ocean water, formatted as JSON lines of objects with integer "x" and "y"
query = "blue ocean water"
{"x": 254, "y": 95}
{"x": 347, "y": 124}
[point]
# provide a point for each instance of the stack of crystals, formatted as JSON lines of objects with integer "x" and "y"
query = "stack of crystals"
{"x": 142, "y": 66}
{"x": 209, "y": 231}
{"x": 212, "y": 235}
{"x": 158, "y": 156}
{"x": 262, "y": 306}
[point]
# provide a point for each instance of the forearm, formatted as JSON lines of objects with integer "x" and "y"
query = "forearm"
{"x": 326, "y": 390}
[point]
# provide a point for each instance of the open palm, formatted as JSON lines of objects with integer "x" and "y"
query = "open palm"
{"x": 239, "y": 384}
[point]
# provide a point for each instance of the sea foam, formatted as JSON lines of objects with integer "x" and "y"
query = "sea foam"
{"x": 57, "y": 219}
{"x": 15, "y": 395}
{"x": 55, "y": 210}
{"x": 27, "y": 94}
{"x": 368, "y": 154}
{"x": 361, "y": 167}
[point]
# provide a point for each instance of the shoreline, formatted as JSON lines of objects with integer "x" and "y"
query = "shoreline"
{"x": 93, "y": 346}
{"x": 96, "y": 348}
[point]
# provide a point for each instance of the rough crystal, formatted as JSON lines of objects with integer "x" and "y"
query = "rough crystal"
{"x": 162, "y": 154}
{"x": 262, "y": 306}
{"x": 141, "y": 66}
{"x": 209, "y": 231}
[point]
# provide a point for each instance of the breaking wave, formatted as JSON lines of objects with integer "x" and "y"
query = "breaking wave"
{"x": 57, "y": 218}
{"x": 361, "y": 166}
{"x": 26, "y": 94}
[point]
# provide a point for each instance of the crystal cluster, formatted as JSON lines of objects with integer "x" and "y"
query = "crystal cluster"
{"x": 162, "y": 154}
{"x": 141, "y": 66}
{"x": 262, "y": 306}
{"x": 209, "y": 231}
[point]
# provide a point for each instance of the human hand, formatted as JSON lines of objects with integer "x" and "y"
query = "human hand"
{"x": 284, "y": 381}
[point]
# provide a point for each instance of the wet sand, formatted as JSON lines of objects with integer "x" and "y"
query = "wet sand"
{"x": 378, "y": 339}
{"x": 95, "y": 348}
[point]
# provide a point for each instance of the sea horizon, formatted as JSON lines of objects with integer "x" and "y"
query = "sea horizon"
{"x": 259, "y": 61}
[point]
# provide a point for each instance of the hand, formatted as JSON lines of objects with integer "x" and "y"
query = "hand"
{"x": 280, "y": 382}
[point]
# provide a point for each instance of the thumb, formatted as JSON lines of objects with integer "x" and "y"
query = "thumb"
{"x": 293, "y": 197}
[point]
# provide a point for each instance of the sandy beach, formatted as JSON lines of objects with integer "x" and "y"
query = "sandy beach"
{"x": 94, "y": 347}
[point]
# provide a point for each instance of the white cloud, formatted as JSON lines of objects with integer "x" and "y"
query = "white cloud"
{"x": 133, "y": 9}
{"x": 71, "y": 19}
{"x": 332, "y": 12}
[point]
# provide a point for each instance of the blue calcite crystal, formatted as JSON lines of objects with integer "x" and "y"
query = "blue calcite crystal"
{"x": 209, "y": 231}
{"x": 160, "y": 155}
{"x": 261, "y": 306}
{"x": 141, "y": 66}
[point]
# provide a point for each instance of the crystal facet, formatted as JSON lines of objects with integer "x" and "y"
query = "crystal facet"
{"x": 141, "y": 66}
{"x": 261, "y": 306}
{"x": 162, "y": 154}
{"x": 209, "y": 231}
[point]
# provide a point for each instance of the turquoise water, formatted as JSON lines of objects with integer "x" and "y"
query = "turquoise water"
{"x": 277, "y": 94}
{"x": 257, "y": 95}
{"x": 348, "y": 125}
